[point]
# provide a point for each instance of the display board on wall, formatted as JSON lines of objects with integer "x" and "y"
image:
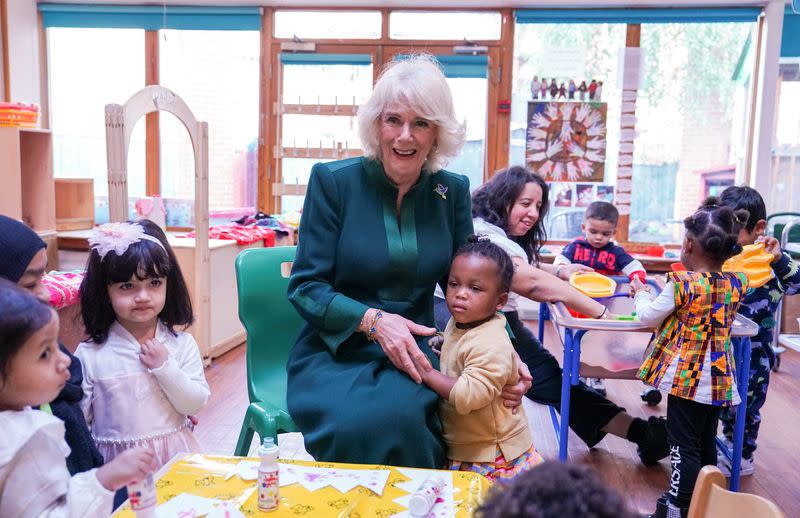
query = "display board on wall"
{"x": 566, "y": 141}
{"x": 571, "y": 194}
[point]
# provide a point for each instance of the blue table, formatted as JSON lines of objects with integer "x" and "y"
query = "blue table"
{"x": 574, "y": 330}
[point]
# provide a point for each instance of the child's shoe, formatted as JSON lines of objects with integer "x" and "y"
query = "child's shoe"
{"x": 745, "y": 469}
{"x": 724, "y": 463}
{"x": 665, "y": 509}
{"x": 653, "y": 446}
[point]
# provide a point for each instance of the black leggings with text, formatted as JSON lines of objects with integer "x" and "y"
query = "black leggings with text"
{"x": 691, "y": 429}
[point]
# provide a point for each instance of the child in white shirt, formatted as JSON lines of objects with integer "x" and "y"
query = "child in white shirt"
{"x": 34, "y": 480}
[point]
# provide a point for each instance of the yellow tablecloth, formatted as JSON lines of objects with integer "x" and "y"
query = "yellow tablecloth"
{"x": 203, "y": 475}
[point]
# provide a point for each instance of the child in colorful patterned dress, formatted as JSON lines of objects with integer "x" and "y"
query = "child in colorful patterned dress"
{"x": 690, "y": 353}
{"x": 759, "y": 305}
{"x": 477, "y": 361}
{"x": 143, "y": 377}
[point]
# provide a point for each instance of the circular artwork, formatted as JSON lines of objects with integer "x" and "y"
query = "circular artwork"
{"x": 566, "y": 141}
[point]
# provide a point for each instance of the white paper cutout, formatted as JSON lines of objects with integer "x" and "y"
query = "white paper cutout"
{"x": 292, "y": 447}
{"x": 187, "y": 506}
{"x": 625, "y": 172}
{"x": 625, "y": 160}
{"x": 445, "y": 505}
{"x": 623, "y": 198}
{"x": 246, "y": 469}
{"x": 624, "y": 209}
{"x": 629, "y": 95}
{"x": 628, "y": 107}
{"x": 626, "y": 147}
{"x": 225, "y": 510}
{"x": 623, "y": 185}
{"x": 313, "y": 478}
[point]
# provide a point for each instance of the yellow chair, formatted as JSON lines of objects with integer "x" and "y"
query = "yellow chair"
{"x": 712, "y": 500}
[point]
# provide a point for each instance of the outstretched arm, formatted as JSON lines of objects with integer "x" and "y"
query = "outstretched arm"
{"x": 541, "y": 286}
{"x": 439, "y": 383}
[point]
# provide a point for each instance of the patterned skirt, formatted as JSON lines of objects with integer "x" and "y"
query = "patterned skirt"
{"x": 501, "y": 468}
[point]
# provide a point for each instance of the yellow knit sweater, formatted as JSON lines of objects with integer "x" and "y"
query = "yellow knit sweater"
{"x": 474, "y": 419}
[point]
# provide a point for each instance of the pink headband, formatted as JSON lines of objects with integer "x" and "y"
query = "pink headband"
{"x": 118, "y": 237}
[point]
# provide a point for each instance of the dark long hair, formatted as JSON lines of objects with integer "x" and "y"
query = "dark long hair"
{"x": 492, "y": 202}
{"x": 144, "y": 259}
{"x": 21, "y": 315}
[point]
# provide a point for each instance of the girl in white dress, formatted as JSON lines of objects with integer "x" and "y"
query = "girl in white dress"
{"x": 34, "y": 481}
{"x": 143, "y": 376}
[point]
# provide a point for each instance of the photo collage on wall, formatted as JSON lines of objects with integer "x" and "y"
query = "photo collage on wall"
{"x": 571, "y": 194}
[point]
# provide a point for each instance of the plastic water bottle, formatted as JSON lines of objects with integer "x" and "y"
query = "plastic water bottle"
{"x": 142, "y": 497}
{"x": 268, "y": 486}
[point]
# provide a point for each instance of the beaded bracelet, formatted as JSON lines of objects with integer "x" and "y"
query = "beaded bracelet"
{"x": 373, "y": 326}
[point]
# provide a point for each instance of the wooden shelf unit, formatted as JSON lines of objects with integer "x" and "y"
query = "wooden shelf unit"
{"x": 74, "y": 203}
{"x": 27, "y": 189}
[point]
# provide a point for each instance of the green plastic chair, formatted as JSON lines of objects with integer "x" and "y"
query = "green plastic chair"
{"x": 272, "y": 326}
{"x": 778, "y": 221}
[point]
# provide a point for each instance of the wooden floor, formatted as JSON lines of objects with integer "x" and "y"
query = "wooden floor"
{"x": 777, "y": 458}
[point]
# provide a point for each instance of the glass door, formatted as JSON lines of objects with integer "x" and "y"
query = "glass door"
{"x": 318, "y": 97}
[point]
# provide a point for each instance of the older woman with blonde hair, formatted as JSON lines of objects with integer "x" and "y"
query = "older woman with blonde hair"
{"x": 376, "y": 234}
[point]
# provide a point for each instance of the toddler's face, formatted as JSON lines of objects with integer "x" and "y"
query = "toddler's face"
{"x": 598, "y": 232}
{"x": 473, "y": 289}
{"x": 38, "y": 372}
{"x": 138, "y": 301}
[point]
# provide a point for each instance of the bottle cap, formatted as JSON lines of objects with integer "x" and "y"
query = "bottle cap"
{"x": 268, "y": 450}
{"x": 424, "y": 498}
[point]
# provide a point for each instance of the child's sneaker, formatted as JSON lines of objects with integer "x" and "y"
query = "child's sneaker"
{"x": 724, "y": 465}
{"x": 725, "y": 441}
{"x": 653, "y": 446}
{"x": 598, "y": 384}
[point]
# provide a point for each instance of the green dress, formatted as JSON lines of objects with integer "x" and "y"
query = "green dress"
{"x": 344, "y": 394}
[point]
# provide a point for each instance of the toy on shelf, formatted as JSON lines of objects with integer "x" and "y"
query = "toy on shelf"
{"x": 753, "y": 261}
{"x": 19, "y": 115}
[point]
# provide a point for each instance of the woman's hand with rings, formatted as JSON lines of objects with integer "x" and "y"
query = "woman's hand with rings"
{"x": 395, "y": 335}
{"x": 512, "y": 394}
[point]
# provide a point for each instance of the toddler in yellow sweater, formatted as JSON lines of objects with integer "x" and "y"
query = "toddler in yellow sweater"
{"x": 477, "y": 361}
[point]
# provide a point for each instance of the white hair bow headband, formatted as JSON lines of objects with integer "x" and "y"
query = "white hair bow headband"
{"x": 118, "y": 237}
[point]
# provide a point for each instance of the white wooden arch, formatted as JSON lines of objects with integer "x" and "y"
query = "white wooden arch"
{"x": 120, "y": 121}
